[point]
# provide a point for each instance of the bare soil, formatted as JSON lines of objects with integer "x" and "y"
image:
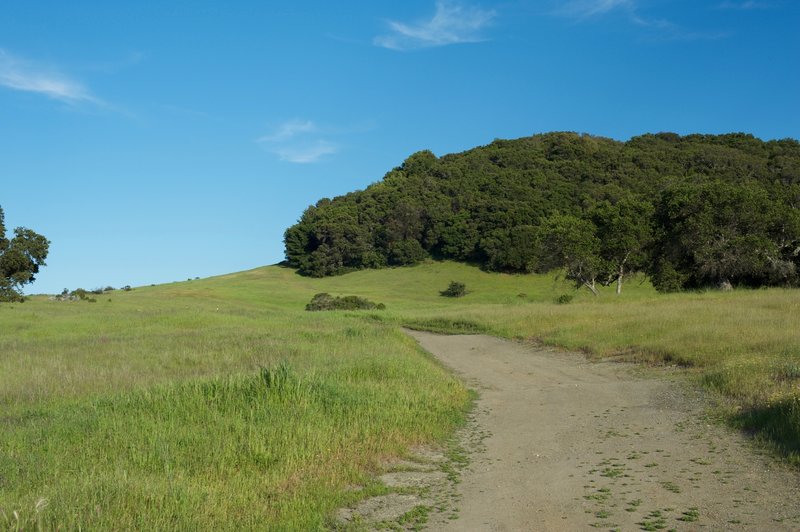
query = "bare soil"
{"x": 557, "y": 442}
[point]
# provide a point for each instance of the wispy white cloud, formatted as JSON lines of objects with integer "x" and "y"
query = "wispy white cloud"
{"x": 665, "y": 30}
{"x": 289, "y": 129}
{"x": 659, "y": 29}
{"x": 583, "y": 9}
{"x": 452, "y": 23}
{"x": 131, "y": 59}
{"x": 305, "y": 153}
{"x": 297, "y": 141}
{"x": 745, "y": 6}
{"x": 21, "y": 75}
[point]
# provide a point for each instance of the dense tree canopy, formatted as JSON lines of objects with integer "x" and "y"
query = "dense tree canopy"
{"x": 20, "y": 259}
{"x": 691, "y": 211}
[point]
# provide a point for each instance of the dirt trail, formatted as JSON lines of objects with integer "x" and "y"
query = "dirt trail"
{"x": 574, "y": 445}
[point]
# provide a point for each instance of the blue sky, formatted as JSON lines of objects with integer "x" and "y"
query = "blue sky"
{"x": 157, "y": 141}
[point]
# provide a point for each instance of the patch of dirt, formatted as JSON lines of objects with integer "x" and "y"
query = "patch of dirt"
{"x": 381, "y": 509}
{"x": 418, "y": 485}
{"x": 559, "y": 443}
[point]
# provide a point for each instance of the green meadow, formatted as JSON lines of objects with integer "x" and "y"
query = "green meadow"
{"x": 221, "y": 403}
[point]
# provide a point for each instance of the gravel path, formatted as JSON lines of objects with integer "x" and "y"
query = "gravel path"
{"x": 575, "y": 445}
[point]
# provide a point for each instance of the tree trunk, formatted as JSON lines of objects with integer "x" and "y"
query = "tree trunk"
{"x": 592, "y": 287}
{"x": 619, "y": 280}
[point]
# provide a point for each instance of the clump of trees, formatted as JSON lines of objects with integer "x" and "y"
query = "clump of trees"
{"x": 21, "y": 256}
{"x": 689, "y": 211}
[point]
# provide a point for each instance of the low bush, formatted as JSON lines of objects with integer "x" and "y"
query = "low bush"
{"x": 80, "y": 293}
{"x": 326, "y": 301}
{"x": 455, "y": 289}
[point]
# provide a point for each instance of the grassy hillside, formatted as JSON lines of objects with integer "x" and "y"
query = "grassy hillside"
{"x": 149, "y": 409}
{"x": 222, "y": 403}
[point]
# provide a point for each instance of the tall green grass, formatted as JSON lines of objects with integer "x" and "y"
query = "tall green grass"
{"x": 155, "y": 410}
{"x": 227, "y": 452}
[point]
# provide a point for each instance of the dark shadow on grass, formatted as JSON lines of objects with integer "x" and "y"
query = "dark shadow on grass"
{"x": 777, "y": 424}
{"x": 447, "y": 326}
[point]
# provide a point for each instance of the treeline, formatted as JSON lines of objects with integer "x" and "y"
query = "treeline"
{"x": 691, "y": 211}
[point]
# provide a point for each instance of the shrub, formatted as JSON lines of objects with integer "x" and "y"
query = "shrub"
{"x": 325, "y": 301}
{"x": 455, "y": 289}
{"x": 80, "y": 293}
{"x": 563, "y": 299}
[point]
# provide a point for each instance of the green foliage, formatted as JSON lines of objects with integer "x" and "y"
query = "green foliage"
{"x": 455, "y": 289}
{"x": 624, "y": 230}
{"x": 618, "y": 208}
{"x": 20, "y": 260}
{"x": 564, "y": 299}
{"x": 324, "y": 301}
{"x": 80, "y": 293}
{"x": 570, "y": 242}
{"x": 405, "y": 252}
{"x": 718, "y": 232}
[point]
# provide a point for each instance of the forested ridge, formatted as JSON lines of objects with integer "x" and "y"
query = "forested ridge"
{"x": 690, "y": 211}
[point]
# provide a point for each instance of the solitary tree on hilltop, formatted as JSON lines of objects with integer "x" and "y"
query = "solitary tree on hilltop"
{"x": 20, "y": 259}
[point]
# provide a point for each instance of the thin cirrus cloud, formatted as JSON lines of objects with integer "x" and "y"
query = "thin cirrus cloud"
{"x": 452, "y": 23}
{"x": 744, "y": 6}
{"x": 289, "y": 129}
{"x": 306, "y": 153}
{"x": 21, "y": 75}
{"x": 659, "y": 29}
{"x": 582, "y": 9}
{"x": 297, "y": 141}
